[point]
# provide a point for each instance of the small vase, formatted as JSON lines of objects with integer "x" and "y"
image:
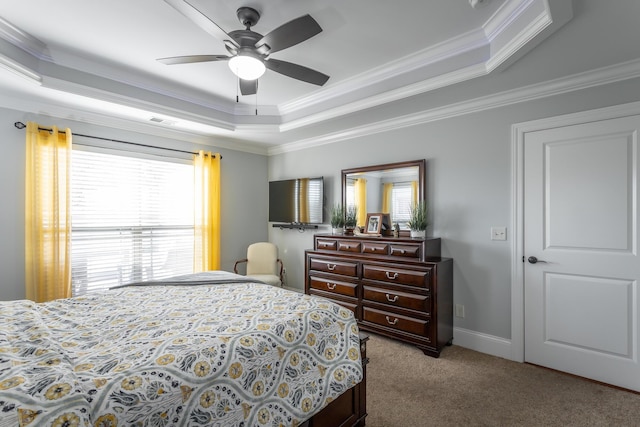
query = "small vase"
{"x": 337, "y": 230}
{"x": 419, "y": 233}
{"x": 348, "y": 231}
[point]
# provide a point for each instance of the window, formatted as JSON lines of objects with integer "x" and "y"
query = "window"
{"x": 401, "y": 197}
{"x": 351, "y": 193}
{"x": 308, "y": 196}
{"x": 132, "y": 219}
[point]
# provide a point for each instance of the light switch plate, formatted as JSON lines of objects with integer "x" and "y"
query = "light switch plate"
{"x": 498, "y": 233}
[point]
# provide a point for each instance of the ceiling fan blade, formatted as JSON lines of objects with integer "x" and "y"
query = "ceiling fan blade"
{"x": 248, "y": 87}
{"x": 192, "y": 58}
{"x": 296, "y": 71}
{"x": 291, "y": 33}
{"x": 200, "y": 19}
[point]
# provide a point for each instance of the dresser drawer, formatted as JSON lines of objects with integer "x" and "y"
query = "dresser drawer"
{"x": 353, "y": 306}
{"x": 346, "y": 268}
{"x": 333, "y": 286}
{"x": 391, "y": 320}
{"x": 376, "y": 248}
{"x": 400, "y": 276}
{"x": 326, "y": 245}
{"x": 405, "y": 250}
{"x": 349, "y": 246}
{"x": 395, "y": 298}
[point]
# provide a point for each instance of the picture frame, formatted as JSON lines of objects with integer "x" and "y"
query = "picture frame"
{"x": 374, "y": 223}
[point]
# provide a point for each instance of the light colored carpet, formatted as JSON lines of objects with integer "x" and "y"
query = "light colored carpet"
{"x": 465, "y": 388}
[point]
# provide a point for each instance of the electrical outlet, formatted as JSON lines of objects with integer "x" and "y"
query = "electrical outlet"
{"x": 498, "y": 233}
{"x": 460, "y": 311}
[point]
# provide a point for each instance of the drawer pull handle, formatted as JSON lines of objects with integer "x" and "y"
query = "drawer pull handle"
{"x": 331, "y": 286}
{"x": 331, "y": 267}
{"x": 401, "y": 251}
{"x": 394, "y": 299}
{"x": 390, "y": 277}
{"x": 392, "y": 322}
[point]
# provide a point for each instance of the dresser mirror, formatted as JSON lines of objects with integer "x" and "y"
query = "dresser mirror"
{"x": 389, "y": 188}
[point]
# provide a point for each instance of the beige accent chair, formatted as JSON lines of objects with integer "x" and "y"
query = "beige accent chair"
{"x": 263, "y": 263}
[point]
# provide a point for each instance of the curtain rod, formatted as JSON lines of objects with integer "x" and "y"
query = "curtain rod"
{"x": 21, "y": 125}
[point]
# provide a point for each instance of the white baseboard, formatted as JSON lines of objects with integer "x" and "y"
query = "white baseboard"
{"x": 483, "y": 343}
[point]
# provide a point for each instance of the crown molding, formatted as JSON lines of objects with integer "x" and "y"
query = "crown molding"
{"x": 20, "y": 70}
{"x": 451, "y": 49}
{"x": 23, "y": 40}
{"x": 598, "y": 77}
{"x": 535, "y": 14}
{"x": 390, "y": 96}
{"x": 55, "y": 110}
{"x": 514, "y": 48}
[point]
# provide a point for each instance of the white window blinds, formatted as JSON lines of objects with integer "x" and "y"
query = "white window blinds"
{"x": 401, "y": 204}
{"x": 132, "y": 219}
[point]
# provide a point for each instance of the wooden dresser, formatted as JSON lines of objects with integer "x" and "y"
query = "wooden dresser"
{"x": 399, "y": 287}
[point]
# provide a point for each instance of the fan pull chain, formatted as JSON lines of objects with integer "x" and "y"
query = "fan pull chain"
{"x": 237, "y": 89}
{"x": 256, "y": 97}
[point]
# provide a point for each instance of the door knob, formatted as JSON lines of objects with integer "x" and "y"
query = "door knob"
{"x": 534, "y": 260}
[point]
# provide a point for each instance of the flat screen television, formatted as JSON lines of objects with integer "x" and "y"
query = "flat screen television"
{"x": 297, "y": 201}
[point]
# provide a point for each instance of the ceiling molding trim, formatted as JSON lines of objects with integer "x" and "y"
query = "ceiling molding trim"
{"x": 504, "y": 20}
{"x": 115, "y": 76}
{"x": 451, "y": 49}
{"x": 585, "y": 80}
{"x": 130, "y": 125}
{"x": 20, "y": 70}
{"x": 23, "y": 40}
{"x": 116, "y": 98}
{"x": 98, "y": 75}
{"x": 516, "y": 45}
{"x": 506, "y": 17}
{"x": 390, "y": 96}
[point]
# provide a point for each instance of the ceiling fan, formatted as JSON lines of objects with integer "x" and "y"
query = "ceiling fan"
{"x": 249, "y": 50}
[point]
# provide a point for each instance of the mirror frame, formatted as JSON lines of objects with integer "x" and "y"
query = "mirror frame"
{"x": 422, "y": 175}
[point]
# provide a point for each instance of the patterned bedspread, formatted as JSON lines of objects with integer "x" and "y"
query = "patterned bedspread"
{"x": 221, "y": 354}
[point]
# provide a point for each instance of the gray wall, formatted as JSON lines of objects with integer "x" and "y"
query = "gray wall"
{"x": 469, "y": 154}
{"x": 243, "y": 194}
{"x": 469, "y": 191}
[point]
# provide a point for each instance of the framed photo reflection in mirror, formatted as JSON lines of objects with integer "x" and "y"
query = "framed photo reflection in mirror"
{"x": 374, "y": 223}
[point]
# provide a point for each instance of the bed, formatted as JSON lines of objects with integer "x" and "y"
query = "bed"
{"x": 209, "y": 349}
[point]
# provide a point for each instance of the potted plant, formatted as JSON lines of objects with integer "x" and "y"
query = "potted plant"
{"x": 337, "y": 218}
{"x": 350, "y": 219}
{"x": 418, "y": 219}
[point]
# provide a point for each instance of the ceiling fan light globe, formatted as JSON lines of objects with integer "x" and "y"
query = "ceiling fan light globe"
{"x": 247, "y": 67}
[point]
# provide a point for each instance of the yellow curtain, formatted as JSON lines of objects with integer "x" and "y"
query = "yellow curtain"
{"x": 387, "y": 190}
{"x": 414, "y": 193}
{"x": 47, "y": 214}
{"x": 360, "y": 188}
{"x": 207, "y": 211}
{"x": 303, "y": 200}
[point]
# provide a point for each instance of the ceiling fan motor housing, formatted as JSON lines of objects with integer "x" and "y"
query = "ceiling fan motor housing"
{"x": 248, "y": 16}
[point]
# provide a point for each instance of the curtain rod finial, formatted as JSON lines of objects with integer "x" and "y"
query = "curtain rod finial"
{"x": 20, "y": 125}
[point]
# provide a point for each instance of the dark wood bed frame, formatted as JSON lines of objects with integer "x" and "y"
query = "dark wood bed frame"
{"x": 350, "y": 408}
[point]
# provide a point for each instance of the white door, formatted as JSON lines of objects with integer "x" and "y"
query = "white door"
{"x": 581, "y": 223}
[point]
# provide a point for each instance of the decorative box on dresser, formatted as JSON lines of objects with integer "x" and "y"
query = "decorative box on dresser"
{"x": 398, "y": 287}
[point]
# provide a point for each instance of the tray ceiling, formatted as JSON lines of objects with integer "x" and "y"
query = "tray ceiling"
{"x": 97, "y": 61}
